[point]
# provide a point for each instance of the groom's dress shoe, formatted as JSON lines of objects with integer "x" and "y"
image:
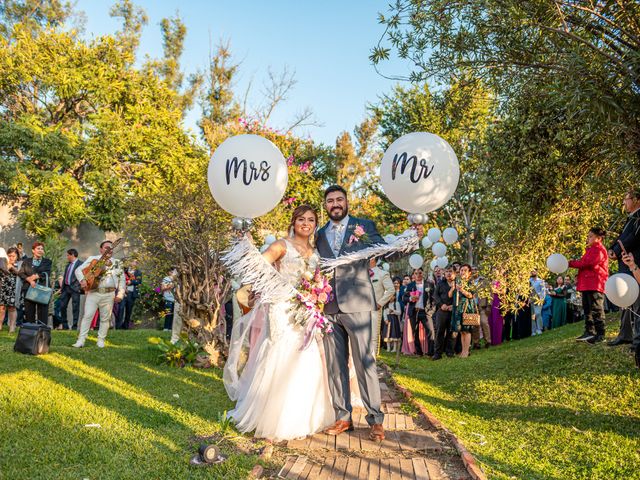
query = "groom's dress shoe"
{"x": 339, "y": 427}
{"x": 377, "y": 432}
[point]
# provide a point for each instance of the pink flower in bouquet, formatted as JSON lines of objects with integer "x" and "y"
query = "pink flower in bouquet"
{"x": 414, "y": 295}
{"x": 314, "y": 298}
{"x": 323, "y": 297}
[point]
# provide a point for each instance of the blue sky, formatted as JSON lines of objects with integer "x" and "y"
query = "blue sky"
{"x": 326, "y": 43}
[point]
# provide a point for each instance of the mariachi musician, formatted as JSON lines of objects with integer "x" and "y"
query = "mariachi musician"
{"x": 100, "y": 276}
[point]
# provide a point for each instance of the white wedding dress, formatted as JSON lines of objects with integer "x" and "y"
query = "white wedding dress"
{"x": 282, "y": 392}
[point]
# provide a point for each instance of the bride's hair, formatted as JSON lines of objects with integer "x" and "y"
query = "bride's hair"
{"x": 298, "y": 212}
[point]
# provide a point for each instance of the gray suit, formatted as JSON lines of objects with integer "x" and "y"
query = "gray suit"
{"x": 351, "y": 312}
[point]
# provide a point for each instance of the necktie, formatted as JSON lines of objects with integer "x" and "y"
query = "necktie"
{"x": 67, "y": 280}
{"x": 337, "y": 238}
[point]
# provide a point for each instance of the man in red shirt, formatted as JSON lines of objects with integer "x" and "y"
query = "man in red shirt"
{"x": 593, "y": 271}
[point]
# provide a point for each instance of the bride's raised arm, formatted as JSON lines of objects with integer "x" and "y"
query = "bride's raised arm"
{"x": 275, "y": 251}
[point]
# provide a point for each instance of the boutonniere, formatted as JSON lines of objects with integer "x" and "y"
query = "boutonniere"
{"x": 358, "y": 235}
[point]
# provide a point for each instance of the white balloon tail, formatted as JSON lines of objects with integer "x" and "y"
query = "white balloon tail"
{"x": 406, "y": 243}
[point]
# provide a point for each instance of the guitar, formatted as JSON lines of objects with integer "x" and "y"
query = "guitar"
{"x": 98, "y": 266}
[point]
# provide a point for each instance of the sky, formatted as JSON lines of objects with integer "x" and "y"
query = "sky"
{"x": 327, "y": 43}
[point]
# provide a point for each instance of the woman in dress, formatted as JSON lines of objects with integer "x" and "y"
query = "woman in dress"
{"x": 559, "y": 304}
{"x": 463, "y": 302}
{"x": 8, "y": 277}
{"x": 393, "y": 335}
{"x": 282, "y": 392}
{"x": 496, "y": 320}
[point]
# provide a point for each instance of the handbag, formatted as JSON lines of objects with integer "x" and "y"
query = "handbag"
{"x": 470, "y": 319}
{"x": 40, "y": 293}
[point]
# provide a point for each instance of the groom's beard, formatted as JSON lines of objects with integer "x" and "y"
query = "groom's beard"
{"x": 338, "y": 213}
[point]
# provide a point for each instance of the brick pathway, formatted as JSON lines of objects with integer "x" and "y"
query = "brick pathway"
{"x": 411, "y": 450}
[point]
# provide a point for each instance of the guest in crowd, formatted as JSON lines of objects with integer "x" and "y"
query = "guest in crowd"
{"x": 462, "y": 296}
{"x": 393, "y": 333}
{"x": 418, "y": 297}
{"x": 538, "y": 293}
{"x": 572, "y": 311}
{"x": 547, "y": 308}
{"x": 9, "y": 297}
{"x": 593, "y": 271}
{"x": 21, "y": 255}
{"x": 383, "y": 292}
{"x": 496, "y": 320}
{"x": 70, "y": 290}
{"x": 133, "y": 279}
{"x": 629, "y": 241}
{"x": 101, "y": 297}
{"x": 444, "y": 308}
{"x": 35, "y": 270}
{"x": 482, "y": 299}
{"x": 559, "y": 303}
{"x": 629, "y": 261}
{"x": 168, "y": 288}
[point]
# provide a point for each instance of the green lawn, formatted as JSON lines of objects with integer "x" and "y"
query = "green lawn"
{"x": 150, "y": 416}
{"x": 546, "y": 407}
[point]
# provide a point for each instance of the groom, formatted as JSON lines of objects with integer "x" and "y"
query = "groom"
{"x": 351, "y": 313}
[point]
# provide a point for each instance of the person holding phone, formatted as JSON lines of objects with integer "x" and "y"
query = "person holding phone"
{"x": 593, "y": 271}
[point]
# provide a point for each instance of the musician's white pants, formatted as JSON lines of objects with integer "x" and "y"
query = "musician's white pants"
{"x": 96, "y": 301}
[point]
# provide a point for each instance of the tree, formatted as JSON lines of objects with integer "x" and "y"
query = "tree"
{"x": 77, "y": 120}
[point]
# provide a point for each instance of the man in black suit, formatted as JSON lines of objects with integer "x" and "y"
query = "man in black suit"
{"x": 419, "y": 306}
{"x": 70, "y": 290}
{"x": 630, "y": 240}
{"x": 444, "y": 307}
{"x": 133, "y": 278}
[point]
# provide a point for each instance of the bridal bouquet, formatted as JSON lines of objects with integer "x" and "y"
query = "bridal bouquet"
{"x": 314, "y": 292}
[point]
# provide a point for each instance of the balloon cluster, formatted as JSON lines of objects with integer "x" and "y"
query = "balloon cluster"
{"x": 438, "y": 248}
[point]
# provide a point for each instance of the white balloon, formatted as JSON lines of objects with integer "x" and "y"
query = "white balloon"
{"x": 247, "y": 175}
{"x": 390, "y": 238}
{"x": 263, "y": 248}
{"x": 442, "y": 262}
{"x": 621, "y": 289}
{"x": 450, "y": 235}
{"x": 419, "y": 218}
{"x": 385, "y": 266}
{"x": 434, "y": 264}
{"x": 426, "y": 243}
{"x": 439, "y": 249}
{"x": 434, "y": 234}
{"x": 416, "y": 260}
{"x": 269, "y": 239}
{"x": 490, "y": 242}
{"x": 557, "y": 263}
{"x": 419, "y": 172}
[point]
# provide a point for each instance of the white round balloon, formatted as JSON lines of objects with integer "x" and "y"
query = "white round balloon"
{"x": 442, "y": 262}
{"x": 269, "y": 239}
{"x": 450, "y": 235}
{"x": 390, "y": 238}
{"x": 557, "y": 263}
{"x": 490, "y": 242}
{"x": 385, "y": 266}
{"x": 434, "y": 264}
{"x": 426, "y": 243}
{"x": 416, "y": 260}
{"x": 439, "y": 249}
{"x": 434, "y": 234}
{"x": 622, "y": 290}
{"x": 419, "y": 172}
{"x": 247, "y": 175}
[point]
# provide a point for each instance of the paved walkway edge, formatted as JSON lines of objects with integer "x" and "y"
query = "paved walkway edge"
{"x": 468, "y": 460}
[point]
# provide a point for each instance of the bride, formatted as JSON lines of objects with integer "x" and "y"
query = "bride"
{"x": 282, "y": 392}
